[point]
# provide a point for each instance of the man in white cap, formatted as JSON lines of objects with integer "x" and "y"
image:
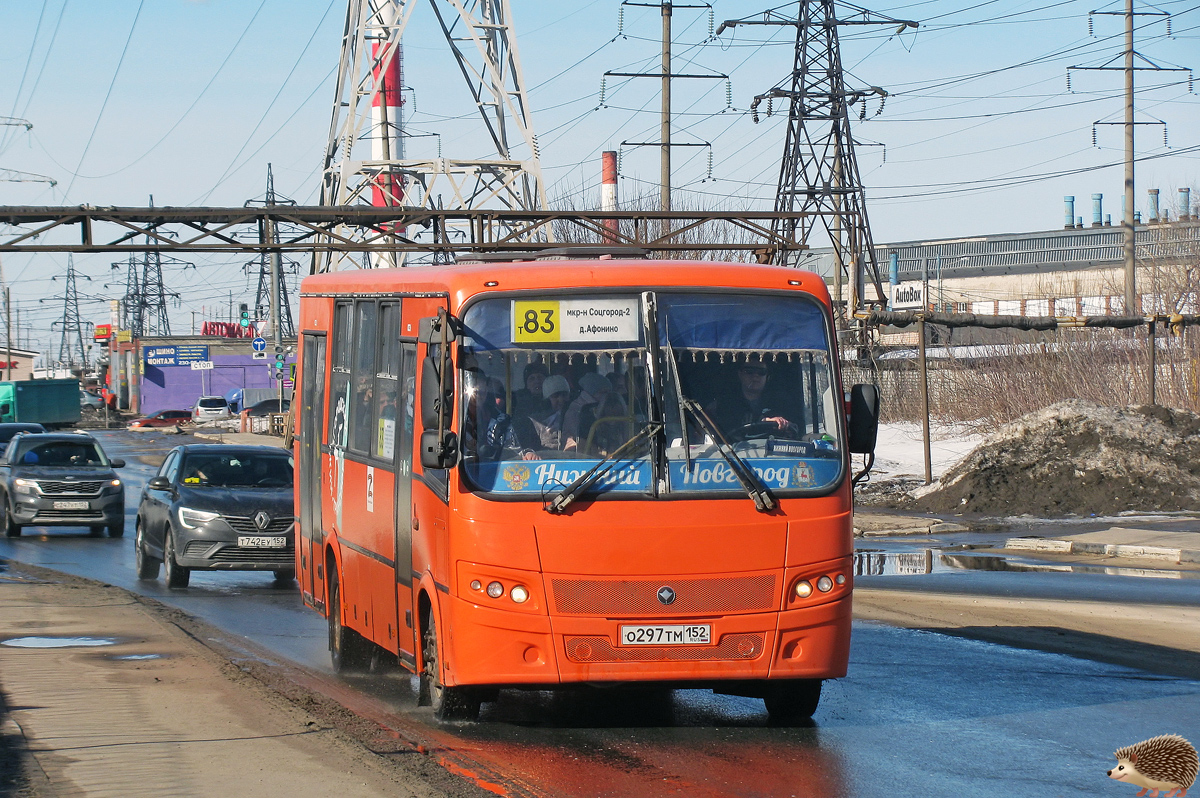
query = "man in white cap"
{"x": 556, "y": 390}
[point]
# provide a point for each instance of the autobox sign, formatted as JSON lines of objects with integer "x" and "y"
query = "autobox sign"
{"x": 177, "y": 355}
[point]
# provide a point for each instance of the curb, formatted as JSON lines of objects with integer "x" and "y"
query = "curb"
{"x": 935, "y": 528}
{"x": 1051, "y": 546}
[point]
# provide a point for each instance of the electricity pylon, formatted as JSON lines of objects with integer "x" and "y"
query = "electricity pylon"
{"x": 819, "y": 172}
{"x": 272, "y": 301}
{"x": 71, "y": 350}
{"x": 368, "y": 105}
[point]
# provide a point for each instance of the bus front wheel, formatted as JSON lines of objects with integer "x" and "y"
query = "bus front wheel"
{"x": 792, "y": 701}
{"x": 348, "y": 650}
{"x": 448, "y": 703}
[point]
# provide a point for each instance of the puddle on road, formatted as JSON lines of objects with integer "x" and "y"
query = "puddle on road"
{"x": 58, "y": 642}
{"x": 868, "y": 562}
{"x": 136, "y": 657}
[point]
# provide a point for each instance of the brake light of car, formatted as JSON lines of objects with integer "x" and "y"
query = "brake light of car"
{"x": 195, "y": 518}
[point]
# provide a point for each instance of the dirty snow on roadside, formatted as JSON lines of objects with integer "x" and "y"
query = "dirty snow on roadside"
{"x": 1075, "y": 458}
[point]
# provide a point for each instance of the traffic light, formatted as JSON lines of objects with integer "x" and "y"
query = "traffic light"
{"x": 244, "y": 319}
{"x": 280, "y": 365}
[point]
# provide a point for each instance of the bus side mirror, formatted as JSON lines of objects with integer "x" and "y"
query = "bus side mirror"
{"x": 433, "y": 402}
{"x": 864, "y": 419}
{"x": 438, "y": 452}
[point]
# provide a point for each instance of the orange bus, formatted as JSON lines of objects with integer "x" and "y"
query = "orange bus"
{"x": 533, "y": 473}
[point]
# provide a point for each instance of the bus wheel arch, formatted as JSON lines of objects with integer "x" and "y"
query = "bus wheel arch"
{"x": 448, "y": 703}
{"x": 348, "y": 650}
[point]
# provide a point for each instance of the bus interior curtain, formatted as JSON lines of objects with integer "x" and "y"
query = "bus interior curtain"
{"x": 741, "y": 322}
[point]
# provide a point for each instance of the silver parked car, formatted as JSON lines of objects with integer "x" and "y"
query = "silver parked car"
{"x": 209, "y": 408}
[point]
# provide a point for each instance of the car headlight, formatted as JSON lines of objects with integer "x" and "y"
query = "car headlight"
{"x": 24, "y": 485}
{"x": 193, "y": 518}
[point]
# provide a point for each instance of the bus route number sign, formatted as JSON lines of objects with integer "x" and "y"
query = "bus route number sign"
{"x": 552, "y": 321}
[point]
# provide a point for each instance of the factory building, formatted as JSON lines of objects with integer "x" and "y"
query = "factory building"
{"x": 1074, "y": 271}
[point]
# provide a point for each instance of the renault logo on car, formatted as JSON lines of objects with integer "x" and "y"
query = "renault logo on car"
{"x": 666, "y": 595}
{"x": 261, "y": 519}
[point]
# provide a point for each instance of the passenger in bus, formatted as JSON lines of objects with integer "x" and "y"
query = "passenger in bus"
{"x": 361, "y": 418}
{"x": 528, "y": 401}
{"x": 557, "y": 392}
{"x": 750, "y": 401}
{"x": 506, "y": 436}
{"x": 593, "y": 388}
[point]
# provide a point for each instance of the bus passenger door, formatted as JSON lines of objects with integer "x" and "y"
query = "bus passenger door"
{"x": 308, "y": 483}
{"x": 407, "y": 636}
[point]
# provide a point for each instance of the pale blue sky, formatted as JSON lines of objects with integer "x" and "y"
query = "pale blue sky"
{"x": 979, "y": 112}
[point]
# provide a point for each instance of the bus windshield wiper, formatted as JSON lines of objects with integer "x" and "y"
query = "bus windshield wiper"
{"x": 764, "y": 502}
{"x": 570, "y": 493}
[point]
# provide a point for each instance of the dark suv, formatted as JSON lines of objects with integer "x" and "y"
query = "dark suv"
{"x": 218, "y": 507}
{"x": 61, "y": 479}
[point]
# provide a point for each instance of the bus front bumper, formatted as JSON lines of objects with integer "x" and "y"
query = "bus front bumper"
{"x": 495, "y": 647}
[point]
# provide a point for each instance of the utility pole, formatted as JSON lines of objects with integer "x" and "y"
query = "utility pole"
{"x": 1130, "y": 58}
{"x": 1128, "y": 239}
{"x": 7, "y": 335}
{"x": 664, "y": 142}
{"x": 819, "y": 171}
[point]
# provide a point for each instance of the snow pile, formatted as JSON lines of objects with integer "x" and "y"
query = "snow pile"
{"x": 1077, "y": 458}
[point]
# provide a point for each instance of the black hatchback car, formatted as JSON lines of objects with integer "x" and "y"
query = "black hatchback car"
{"x": 218, "y": 507}
{"x": 61, "y": 479}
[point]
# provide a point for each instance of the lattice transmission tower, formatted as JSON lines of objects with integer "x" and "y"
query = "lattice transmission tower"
{"x": 273, "y": 263}
{"x": 369, "y": 107}
{"x": 71, "y": 349}
{"x": 819, "y": 171}
{"x": 144, "y": 305}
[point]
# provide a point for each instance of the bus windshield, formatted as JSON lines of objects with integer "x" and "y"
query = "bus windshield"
{"x": 554, "y": 384}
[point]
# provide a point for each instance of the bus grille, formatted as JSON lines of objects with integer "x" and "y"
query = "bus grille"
{"x": 599, "y": 649}
{"x": 640, "y": 596}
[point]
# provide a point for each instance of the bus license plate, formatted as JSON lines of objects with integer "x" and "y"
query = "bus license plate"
{"x": 693, "y": 635}
{"x": 70, "y": 505}
{"x": 262, "y": 543}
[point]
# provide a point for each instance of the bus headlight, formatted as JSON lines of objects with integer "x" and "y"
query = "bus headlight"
{"x": 824, "y": 584}
{"x": 495, "y": 589}
{"x": 804, "y": 588}
{"x": 519, "y": 594}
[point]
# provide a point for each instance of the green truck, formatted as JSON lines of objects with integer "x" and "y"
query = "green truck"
{"x": 54, "y": 403}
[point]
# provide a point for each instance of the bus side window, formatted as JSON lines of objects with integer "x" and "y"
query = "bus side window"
{"x": 339, "y": 379}
{"x": 362, "y": 414}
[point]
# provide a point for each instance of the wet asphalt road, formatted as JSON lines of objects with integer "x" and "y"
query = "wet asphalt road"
{"x": 920, "y": 713}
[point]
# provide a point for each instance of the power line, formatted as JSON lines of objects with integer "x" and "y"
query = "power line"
{"x": 107, "y": 94}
